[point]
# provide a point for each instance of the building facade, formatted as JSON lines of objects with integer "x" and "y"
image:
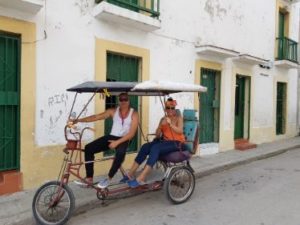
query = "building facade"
{"x": 245, "y": 52}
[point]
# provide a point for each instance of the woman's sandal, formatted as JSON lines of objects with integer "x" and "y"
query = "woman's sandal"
{"x": 134, "y": 183}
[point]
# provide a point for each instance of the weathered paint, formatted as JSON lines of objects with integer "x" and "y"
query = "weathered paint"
{"x": 65, "y": 45}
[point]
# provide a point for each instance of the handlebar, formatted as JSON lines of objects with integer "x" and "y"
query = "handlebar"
{"x": 74, "y": 143}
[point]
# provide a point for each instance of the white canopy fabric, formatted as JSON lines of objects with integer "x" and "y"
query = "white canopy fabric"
{"x": 168, "y": 86}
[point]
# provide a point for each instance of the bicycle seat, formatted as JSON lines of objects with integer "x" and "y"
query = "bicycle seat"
{"x": 176, "y": 157}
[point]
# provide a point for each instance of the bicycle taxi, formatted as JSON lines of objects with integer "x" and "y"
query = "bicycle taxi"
{"x": 54, "y": 202}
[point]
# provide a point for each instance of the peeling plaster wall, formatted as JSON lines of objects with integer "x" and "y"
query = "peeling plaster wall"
{"x": 66, "y": 32}
{"x": 242, "y": 25}
{"x": 65, "y": 58}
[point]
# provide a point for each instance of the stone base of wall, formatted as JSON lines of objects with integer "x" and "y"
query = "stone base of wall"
{"x": 10, "y": 182}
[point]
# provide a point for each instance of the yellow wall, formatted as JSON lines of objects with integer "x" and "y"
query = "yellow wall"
{"x": 289, "y": 128}
{"x": 204, "y": 64}
{"x": 225, "y": 136}
{"x": 247, "y": 73}
{"x": 256, "y": 135}
{"x": 102, "y": 47}
{"x": 41, "y": 164}
{"x": 281, "y": 6}
{"x": 36, "y": 164}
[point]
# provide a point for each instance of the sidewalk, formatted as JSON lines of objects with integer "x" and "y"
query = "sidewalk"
{"x": 15, "y": 209}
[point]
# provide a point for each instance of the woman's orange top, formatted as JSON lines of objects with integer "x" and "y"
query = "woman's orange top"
{"x": 171, "y": 135}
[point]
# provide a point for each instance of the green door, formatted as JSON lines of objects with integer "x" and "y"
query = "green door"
{"x": 9, "y": 101}
{"x": 281, "y": 24}
{"x": 122, "y": 68}
{"x": 281, "y": 39}
{"x": 209, "y": 106}
{"x": 239, "y": 107}
{"x": 280, "y": 108}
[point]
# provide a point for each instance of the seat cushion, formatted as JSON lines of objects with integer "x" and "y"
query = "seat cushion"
{"x": 175, "y": 157}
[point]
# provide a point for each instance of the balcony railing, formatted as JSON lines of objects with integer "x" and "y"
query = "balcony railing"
{"x": 150, "y": 7}
{"x": 287, "y": 49}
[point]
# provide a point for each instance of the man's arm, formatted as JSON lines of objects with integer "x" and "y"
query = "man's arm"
{"x": 106, "y": 114}
{"x": 131, "y": 133}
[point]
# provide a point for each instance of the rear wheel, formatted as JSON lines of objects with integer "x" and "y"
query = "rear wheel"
{"x": 53, "y": 204}
{"x": 179, "y": 185}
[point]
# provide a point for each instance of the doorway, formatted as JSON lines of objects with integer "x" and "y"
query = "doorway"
{"x": 280, "y": 108}
{"x": 10, "y": 61}
{"x": 242, "y": 107}
{"x": 209, "y": 112}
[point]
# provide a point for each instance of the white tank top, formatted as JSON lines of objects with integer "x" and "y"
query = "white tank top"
{"x": 121, "y": 126}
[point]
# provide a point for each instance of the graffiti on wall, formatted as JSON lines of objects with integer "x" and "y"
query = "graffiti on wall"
{"x": 53, "y": 117}
{"x": 56, "y": 110}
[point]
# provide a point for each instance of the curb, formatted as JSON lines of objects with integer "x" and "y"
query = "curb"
{"x": 242, "y": 162}
{"x": 84, "y": 204}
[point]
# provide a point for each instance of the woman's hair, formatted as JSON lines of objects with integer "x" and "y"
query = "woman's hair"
{"x": 170, "y": 102}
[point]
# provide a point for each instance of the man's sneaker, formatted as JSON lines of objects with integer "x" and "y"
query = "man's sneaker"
{"x": 84, "y": 183}
{"x": 103, "y": 183}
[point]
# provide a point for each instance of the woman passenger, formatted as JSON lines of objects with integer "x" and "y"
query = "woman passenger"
{"x": 169, "y": 137}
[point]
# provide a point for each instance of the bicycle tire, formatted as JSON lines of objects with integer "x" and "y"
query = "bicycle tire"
{"x": 45, "y": 196}
{"x": 180, "y": 180}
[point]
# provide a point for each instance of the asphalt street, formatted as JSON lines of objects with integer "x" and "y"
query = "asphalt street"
{"x": 263, "y": 192}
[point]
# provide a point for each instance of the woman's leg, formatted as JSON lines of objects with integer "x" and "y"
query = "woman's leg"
{"x": 163, "y": 147}
{"x": 142, "y": 177}
{"x": 140, "y": 158}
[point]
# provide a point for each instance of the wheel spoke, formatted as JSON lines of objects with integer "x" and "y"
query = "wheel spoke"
{"x": 53, "y": 203}
{"x": 180, "y": 185}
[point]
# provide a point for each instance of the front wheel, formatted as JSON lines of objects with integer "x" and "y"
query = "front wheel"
{"x": 53, "y": 203}
{"x": 179, "y": 185}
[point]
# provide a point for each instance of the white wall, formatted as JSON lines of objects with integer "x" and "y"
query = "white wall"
{"x": 242, "y": 25}
{"x": 263, "y": 99}
{"x": 66, "y": 56}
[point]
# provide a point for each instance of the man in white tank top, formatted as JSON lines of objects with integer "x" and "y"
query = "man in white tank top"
{"x": 125, "y": 123}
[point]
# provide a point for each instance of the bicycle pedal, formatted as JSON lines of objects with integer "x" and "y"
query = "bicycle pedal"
{"x": 157, "y": 185}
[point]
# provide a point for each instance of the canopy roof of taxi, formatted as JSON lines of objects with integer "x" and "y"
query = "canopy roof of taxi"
{"x": 145, "y": 88}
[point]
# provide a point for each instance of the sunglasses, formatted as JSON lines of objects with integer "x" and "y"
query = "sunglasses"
{"x": 170, "y": 107}
{"x": 123, "y": 99}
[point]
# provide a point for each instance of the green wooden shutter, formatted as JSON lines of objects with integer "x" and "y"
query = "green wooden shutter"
{"x": 9, "y": 101}
{"x": 209, "y": 106}
{"x": 280, "y": 108}
{"x": 122, "y": 68}
{"x": 281, "y": 24}
{"x": 281, "y": 40}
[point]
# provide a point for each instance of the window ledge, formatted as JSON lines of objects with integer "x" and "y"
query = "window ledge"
{"x": 249, "y": 59}
{"x": 291, "y": 1}
{"x": 29, "y": 6}
{"x": 210, "y": 50}
{"x": 286, "y": 64}
{"x": 112, "y": 13}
